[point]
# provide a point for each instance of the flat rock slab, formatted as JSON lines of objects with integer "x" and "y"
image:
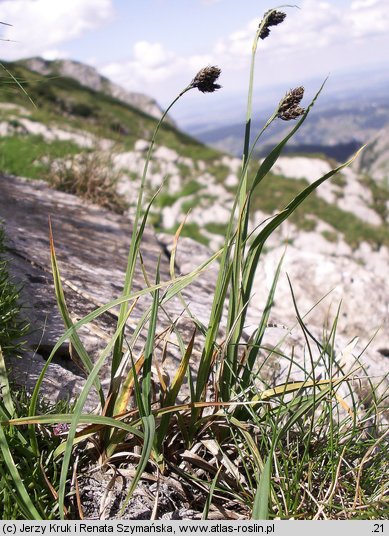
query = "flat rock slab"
{"x": 92, "y": 246}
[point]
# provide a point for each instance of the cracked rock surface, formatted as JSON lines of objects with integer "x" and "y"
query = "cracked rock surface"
{"x": 92, "y": 246}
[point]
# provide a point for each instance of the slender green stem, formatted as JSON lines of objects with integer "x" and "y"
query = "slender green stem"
{"x": 133, "y": 252}
{"x": 236, "y": 297}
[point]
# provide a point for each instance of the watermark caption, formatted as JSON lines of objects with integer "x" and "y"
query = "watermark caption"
{"x": 276, "y": 528}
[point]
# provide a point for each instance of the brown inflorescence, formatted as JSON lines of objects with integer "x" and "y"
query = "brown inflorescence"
{"x": 205, "y": 79}
{"x": 289, "y": 107}
{"x": 271, "y": 18}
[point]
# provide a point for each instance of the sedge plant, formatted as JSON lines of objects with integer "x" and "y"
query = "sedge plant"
{"x": 244, "y": 429}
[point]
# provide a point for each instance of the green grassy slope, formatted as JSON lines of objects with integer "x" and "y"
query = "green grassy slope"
{"x": 64, "y": 101}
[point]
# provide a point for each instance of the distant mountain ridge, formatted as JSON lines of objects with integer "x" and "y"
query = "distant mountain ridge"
{"x": 338, "y": 123}
{"x": 89, "y": 76}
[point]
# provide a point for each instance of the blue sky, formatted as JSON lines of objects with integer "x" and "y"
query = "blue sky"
{"x": 156, "y": 46}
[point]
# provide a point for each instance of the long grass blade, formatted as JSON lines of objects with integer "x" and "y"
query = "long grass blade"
{"x": 5, "y": 389}
{"x": 208, "y": 501}
{"x": 77, "y": 413}
{"x": 17, "y": 82}
{"x": 149, "y": 348}
{"x": 179, "y": 284}
{"x": 173, "y": 391}
{"x": 95, "y": 421}
{"x": 61, "y": 301}
{"x": 149, "y": 436}
{"x": 261, "y": 499}
{"x": 73, "y": 336}
{"x": 21, "y": 494}
{"x": 136, "y": 237}
{"x": 257, "y": 340}
{"x": 257, "y": 244}
{"x": 127, "y": 387}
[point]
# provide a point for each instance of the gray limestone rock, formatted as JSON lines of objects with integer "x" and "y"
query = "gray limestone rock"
{"x": 92, "y": 246}
{"x": 90, "y": 77}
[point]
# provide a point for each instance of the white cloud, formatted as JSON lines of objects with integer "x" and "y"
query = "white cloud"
{"x": 54, "y": 54}
{"x": 41, "y": 25}
{"x": 151, "y": 55}
{"x": 313, "y": 41}
{"x": 363, "y": 3}
{"x": 238, "y": 44}
{"x": 368, "y": 18}
{"x": 314, "y": 26}
{"x": 152, "y": 64}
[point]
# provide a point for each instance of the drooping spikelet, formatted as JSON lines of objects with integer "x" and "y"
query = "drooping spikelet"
{"x": 289, "y": 107}
{"x": 271, "y": 18}
{"x": 205, "y": 79}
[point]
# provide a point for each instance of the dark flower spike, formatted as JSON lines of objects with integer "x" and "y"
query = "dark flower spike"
{"x": 289, "y": 108}
{"x": 271, "y": 18}
{"x": 264, "y": 32}
{"x": 291, "y": 99}
{"x": 275, "y": 17}
{"x": 205, "y": 79}
{"x": 292, "y": 113}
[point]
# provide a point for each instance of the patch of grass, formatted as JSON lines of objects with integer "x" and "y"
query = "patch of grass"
{"x": 90, "y": 176}
{"x": 354, "y": 230}
{"x": 29, "y": 156}
{"x": 40, "y": 472}
{"x": 132, "y": 176}
{"x": 190, "y": 230}
{"x": 190, "y": 188}
{"x": 380, "y": 195}
{"x": 339, "y": 180}
{"x": 189, "y": 204}
{"x": 165, "y": 199}
{"x": 219, "y": 171}
{"x": 330, "y": 236}
{"x": 187, "y": 146}
{"x": 308, "y": 224}
{"x": 216, "y": 228}
{"x": 83, "y": 109}
{"x": 60, "y": 99}
{"x": 277, "y": 193}
{"x": 12, "y": 327}
{"x": 185, "y": 171}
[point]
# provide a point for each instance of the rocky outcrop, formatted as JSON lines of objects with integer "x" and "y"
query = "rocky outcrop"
{"x": 92, "y": 246}
{"x": 89, "y": 76}
{"x": 374, "y": 160}
{"x": 352, "y": 196}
